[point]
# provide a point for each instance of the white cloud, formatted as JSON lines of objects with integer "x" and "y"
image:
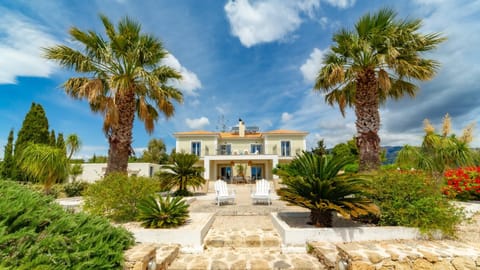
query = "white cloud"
{"x": 189, "y": 82}
{"x": 197, "y": 123}
{"x": 341, "y": 3}
{"x": 268, "y": 20}
{"x": 286, "y": 117}
{"x": 313, "y": 64}
{"x": 20, "y": 49}
{"x": 195, "y": 103}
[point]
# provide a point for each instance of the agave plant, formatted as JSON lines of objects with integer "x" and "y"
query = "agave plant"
{"x": 158, "y": 212}
{"x": 314, "y": 182}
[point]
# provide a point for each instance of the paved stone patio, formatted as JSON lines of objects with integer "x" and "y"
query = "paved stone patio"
{"x": 242, "y": 237}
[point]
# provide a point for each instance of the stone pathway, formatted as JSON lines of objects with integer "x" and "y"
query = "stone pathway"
{"x": 242, "y": 237}
{"x": 244, "y": 242}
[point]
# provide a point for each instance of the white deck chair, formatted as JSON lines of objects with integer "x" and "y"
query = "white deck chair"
{"x": 262, "y": 192}
{"x": 222, "y": 193}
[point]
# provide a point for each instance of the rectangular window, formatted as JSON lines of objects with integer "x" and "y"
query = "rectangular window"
{"x": 256, "y": 149}
{"x": 196, "y": 146}
{"x": 225, "y": 149}
{"x": 285, "y": 148}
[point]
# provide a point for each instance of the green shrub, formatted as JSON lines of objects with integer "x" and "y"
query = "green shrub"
{"x": 116, "y": 196}
{"x": 36, "y": 233}
{"x": 55, "y": 191}
{"x": 75, "y": 188}
{"x": 411, "y": 198}
{"x": 351, "y": 168}
{"x": 158, "y": 212}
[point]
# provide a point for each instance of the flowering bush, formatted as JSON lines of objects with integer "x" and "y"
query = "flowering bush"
{"x": 463, "y": 183}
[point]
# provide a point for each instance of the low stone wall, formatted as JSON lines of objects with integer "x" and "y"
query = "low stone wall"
{"x": 150, "y": 256}
{"x": 297, "y": 237}
{"x": 140, "y": 257}
{"x": 190, "y": 236}
{"x": 407, "y": 255}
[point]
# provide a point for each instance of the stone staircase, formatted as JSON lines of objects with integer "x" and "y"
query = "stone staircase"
{"x": 245, "y": 249}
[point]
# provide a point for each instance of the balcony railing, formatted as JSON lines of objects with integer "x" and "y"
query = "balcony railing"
{"x": 237, "y": 152}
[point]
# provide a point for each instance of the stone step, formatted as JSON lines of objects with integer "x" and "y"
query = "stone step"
{"x": 325, "y": 252}
{"x": 246, "y": 259}
{"x": 242, "y": 238}
{"x": 165, "y": 255}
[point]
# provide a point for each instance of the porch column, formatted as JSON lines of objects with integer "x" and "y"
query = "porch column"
{"x": 274, "y": 165}
{"x": 206, "y": 166}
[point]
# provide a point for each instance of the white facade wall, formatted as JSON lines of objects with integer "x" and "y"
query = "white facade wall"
{"x": 95, "y": 171}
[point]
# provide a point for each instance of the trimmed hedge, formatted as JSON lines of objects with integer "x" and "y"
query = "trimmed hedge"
{"x": 36, "y": 233}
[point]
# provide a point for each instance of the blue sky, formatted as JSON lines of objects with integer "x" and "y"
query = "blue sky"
{"x": 249, "y": 59}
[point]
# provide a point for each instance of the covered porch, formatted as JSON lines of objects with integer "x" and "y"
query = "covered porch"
{"x": 240, "y": 168}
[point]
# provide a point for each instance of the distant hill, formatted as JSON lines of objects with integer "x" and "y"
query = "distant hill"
{"x": 391, "y": 153}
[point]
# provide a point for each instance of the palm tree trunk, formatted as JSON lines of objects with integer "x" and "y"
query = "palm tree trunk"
{"x": 120, "y": 138}
{"x": 368, "y": 120}
{"x": 321, "y": 217}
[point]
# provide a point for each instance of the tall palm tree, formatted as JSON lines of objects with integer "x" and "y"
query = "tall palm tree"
{"x": 46, "y": 163}
{"x": 122, "y": 76}
{"x": 380, "y": 59}
{"x": 73, "y": 144}
{"x": 313, "y": 182}
{"x": 181, "y": 174}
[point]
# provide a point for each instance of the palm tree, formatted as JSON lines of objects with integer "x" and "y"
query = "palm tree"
{"x": 122, "y": 76}
{"x": 181, "y": 174}
{"x": 46, "y": 163}
{"x": 380, "y": 59}
{"x": 73, "y": 144}
{"x": 313, "y": 182}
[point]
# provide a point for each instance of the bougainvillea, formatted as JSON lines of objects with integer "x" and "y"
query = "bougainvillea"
{"x": 463, "y": 183}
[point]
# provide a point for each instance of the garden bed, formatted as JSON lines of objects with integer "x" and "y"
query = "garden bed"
{"x": 190, "y": 236}
{"x": 469, "y": 208}
{"x": 294, "y": 231}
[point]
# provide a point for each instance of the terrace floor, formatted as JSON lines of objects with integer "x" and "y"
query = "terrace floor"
{"x": 242, "y": 236}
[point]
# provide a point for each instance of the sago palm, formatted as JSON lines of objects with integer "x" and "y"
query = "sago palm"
{"x": 313, "y": 182}
{"x": 122, "y": 75}
{"x": 380, "y": 59}
{"x": 181, "y": 174}
{"x": 158, "y": 212}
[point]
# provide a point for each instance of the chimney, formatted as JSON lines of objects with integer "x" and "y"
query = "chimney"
{"x": 241, "y": 128}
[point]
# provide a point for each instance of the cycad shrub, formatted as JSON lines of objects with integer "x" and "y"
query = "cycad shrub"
{"x": 36, "y": 233}
{"x": 116, "y": 196}
{"x": 159, "y": 212}
{"x": 412, "y": 198}
{"x": 314, "y": 182}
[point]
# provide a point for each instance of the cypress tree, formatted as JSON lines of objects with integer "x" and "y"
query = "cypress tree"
{"x": 7, "y": 165}
{"x": 34, "y": 130}
{"x": 61, "y": 143}
{"x": 52, "y": 141}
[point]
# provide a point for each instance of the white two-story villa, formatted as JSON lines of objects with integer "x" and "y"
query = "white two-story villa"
{"x": 244, "y": 153}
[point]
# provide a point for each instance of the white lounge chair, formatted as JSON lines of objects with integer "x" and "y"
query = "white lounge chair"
{"x": 222, "y": 193}
{"x": 262, "y": 192}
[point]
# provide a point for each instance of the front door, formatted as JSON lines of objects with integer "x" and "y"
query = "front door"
{"x": 256, "y": 172}
{"x": 226, "y": 173}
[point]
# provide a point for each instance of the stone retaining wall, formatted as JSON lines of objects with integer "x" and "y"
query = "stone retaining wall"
{"x": 405, "y": 255}
{"x": 155, "y": 256}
